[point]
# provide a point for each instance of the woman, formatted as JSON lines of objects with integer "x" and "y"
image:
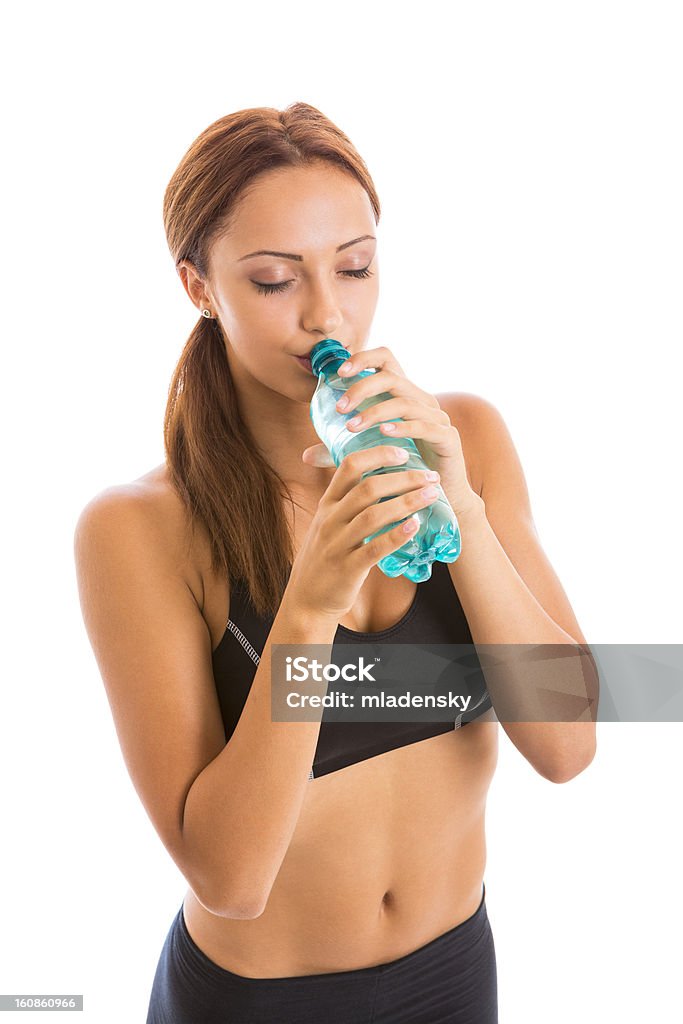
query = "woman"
{"x": 333, "y": 876}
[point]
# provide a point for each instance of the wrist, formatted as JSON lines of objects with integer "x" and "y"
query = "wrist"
{"x": 306, "y": 618}
{"x": 473, "y": 511}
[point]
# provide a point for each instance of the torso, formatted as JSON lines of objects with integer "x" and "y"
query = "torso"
{"x": 388, "y": 853}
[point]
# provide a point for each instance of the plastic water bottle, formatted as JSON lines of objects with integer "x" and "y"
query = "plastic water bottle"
{"x": 438, "y": 535}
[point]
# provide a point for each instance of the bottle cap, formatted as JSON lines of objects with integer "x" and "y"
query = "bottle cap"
{"x": 326, "y": 352}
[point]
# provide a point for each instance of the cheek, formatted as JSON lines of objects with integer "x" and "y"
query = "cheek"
{"x": 367, "y": 302}
{"x": 255, "y": 324}
{"x": 265, "y": 313}
{"x": 255, "y": 342}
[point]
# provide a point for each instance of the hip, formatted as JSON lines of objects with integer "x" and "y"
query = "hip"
{"x": 451, "y": 978}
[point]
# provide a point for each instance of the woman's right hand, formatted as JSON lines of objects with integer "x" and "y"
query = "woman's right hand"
{"x": 333, "y": 562}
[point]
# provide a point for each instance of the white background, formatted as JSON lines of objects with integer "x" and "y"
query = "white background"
{"x": 528, "y": 159}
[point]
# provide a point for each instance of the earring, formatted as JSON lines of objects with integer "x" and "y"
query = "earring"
{"x": 206, "y": 313}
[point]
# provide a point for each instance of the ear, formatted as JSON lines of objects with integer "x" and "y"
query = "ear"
{"x": 317, "y": 455}
{"x": 194, "y": 285}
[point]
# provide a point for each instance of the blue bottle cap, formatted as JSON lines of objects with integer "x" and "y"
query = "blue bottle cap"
{"x": 328, "y": 351}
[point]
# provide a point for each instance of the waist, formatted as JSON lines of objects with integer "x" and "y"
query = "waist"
{"x": 337, "y": 921}
{"x": 387, "y": 855}
{"x": 456, "y": 939}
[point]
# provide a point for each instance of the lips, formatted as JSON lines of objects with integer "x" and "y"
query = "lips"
{"x": 305, "y": 362}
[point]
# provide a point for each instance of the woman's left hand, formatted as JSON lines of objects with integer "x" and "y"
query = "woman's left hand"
{"x": 430, "y": 427}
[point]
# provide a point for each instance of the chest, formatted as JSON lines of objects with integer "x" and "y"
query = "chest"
{"x": 381, "y": 603}
{"x": 435, "y": 617}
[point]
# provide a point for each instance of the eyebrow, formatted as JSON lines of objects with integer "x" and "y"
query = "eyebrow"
{"x": 293, "y": 256}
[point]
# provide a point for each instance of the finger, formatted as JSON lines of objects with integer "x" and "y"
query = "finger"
{"x": 381, "y": 381}
{"x": 376, "y": 358}
{"x": 317, "y": 455}
{"x": 443, "y": 437}
{"x": 370, "y": 552}
{"x": 393, "y": 408}
{"x": 353, "y": 467}
{"x": 377, "y": 383}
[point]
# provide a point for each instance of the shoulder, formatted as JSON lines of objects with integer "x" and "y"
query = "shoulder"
{"x": 146, "y": 514}
{"x": 148, "y": 500}
{"x": 471, "y": 411}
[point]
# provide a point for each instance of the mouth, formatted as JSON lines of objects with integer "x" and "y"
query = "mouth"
{"x": 305, "y": 362}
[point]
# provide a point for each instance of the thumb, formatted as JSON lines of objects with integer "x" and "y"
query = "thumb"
{"x": 317, "y": 455}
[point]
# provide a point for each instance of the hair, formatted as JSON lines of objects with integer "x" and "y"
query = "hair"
{"x": 213, "y": 461}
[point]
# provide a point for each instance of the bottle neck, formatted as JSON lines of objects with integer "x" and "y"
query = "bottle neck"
{"x": 330, "y": 367}
{"x": 327, "y": 356}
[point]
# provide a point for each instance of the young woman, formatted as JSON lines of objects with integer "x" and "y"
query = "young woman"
{"x": 333, "y": 875}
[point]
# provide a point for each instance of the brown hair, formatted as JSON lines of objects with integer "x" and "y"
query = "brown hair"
{"x": 213, "y": 461}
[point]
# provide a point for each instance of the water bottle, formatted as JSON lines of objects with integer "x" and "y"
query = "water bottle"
{"x": 438, "y": 535}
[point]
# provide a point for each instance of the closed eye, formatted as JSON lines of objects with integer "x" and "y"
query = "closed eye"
{"x": 271, "y": 289}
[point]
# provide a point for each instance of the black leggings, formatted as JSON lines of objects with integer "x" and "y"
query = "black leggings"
{"x": 450, "y": 980}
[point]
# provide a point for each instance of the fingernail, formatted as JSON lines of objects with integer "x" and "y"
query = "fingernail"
{"x": 342, "y": 403}
{"x": 400, "y": 454}
{"x": 431, "y": 475}
{"x": 429, "y": 492}
{"x": 344, "y": 368}
{"x": 353, "y": 422}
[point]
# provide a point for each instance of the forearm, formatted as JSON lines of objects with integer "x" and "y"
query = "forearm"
{"x": 526, "y": 683}
{"x": 242, "y": 810}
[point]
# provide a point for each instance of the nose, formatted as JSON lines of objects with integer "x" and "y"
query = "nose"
{"x": 322, "y": 312}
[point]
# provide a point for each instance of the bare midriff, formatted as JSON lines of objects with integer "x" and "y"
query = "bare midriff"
{"x": 388, "y": 854}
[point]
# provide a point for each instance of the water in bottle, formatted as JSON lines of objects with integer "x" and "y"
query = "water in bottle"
{"x": 438, "y": 535}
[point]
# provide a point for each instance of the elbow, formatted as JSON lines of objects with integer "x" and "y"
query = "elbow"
{"x": 244, "y": 902}
{"x": 565, "y": 774}
{"x": 237, "y": 906}
{"x": 565, "y": 771}
{"x": 235, "y": 909}
{"x": 245, "y": 910}
{"x": 569, "y": 753}
{"x": 239, "y": 895}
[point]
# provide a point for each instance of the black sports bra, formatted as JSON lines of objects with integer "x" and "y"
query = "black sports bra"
{"x": 435, "y": 617}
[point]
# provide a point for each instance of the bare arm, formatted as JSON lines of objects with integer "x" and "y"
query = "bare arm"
{"x": 225, "y": 813}
{"x": 244, "y": 827}
{"x": 514, "y": 601}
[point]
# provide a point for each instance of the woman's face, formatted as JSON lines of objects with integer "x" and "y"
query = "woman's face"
{"x": 317, "y": 279}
